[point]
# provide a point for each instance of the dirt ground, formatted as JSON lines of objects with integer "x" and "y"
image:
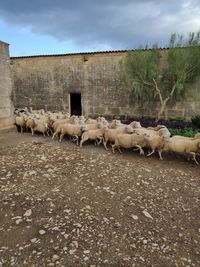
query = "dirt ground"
{"x": 65, "y": 206}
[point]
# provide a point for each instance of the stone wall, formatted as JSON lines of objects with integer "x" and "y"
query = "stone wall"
{"x": 6, "y": 106}
{"x": 46, "y": 81}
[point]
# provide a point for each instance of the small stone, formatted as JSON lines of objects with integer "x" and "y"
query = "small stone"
{"x": 145, "y": 212}
{"x": 42, "y": 232}
{"x": 78, "y": 225}
{"x": 66, "y": 236}
{"x": 72, "y": 251}
{"x": 28, "y": 213}
{"x": 55, "y": 258}
{"x": 18, "y": 221}
{"x": 33, "y": 240}
{"x": 135, "y": 217}
{"x": 75, "y": 243}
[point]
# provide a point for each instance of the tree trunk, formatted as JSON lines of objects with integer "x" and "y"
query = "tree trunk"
{"x": 162, "y": 108}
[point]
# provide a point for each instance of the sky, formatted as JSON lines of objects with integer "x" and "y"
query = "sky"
{"x": 41, "y": 27}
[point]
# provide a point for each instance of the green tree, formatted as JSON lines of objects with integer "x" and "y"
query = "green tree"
{"x": 162, "y": 75}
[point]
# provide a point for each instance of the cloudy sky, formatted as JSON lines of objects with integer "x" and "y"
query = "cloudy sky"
{"x": 33, "y": 27}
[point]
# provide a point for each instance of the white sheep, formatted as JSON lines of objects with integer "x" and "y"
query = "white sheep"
{"x": 129, "y": 141}
{"x": 30, "y": 124}
{"x": 90, "y": 121}
{"x": 58, "y": 124}
{"x": 143, "y": 130}
{"x": 114, "y": 124}
{"x": 135, "y": 124}
{"x": 197, "y": 136}
{"x": 183, "y": 145}
{"x": 21, "y": 121}
{"x": 73, "y": 130}
{"x": 156, "y": 141}
{"x": 41, "y": 127}
{"x": 110, "y": 134}
{"x": 97, "y": 135}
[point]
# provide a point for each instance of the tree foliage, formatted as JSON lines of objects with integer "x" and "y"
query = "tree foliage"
{"x": 157, "y": 74}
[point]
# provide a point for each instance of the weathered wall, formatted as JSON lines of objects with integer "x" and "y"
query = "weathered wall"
{"x": 46, "y": 81}
{"x": 6, "y": 107}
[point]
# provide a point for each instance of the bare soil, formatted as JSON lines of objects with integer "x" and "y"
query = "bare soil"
{"x": 61, "y": 205}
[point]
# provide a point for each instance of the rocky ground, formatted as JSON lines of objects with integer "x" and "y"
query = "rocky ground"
{"x": 65, "y": 206}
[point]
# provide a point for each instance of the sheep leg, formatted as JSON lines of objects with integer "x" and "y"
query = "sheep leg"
{"x": 150, "y": 153}
{"x": 100, "y": 140}
{"x": 105, "y": 144}
{"x": 82, "y": 141}
{"x": 141, "y": 150}
{"x": 194, "y": 157}
{"x": 55, "y": 133}
{"x": 21, "y": 129}
{"x": 119, "y": 150}
{"x": 49, "y": 129}
{"x": 44, "y": 134}
{"x": 76, "y": 139}
{"x": 61, "y": 137}
{"x": 160, "y": 154}
{"x": 113, "y": 148}
{"x": 32, "y": 132}
{"x": 96, "y": 142}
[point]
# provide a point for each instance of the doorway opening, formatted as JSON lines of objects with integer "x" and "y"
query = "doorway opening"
{"x": 75, "y": 104}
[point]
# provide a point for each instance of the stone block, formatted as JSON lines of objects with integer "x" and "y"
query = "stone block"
{"x": 5, "y": 112}
{"x": 4, "y": 102}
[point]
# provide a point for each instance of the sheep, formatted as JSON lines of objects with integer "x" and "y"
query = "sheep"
{"x": 150, "y": 131}
{"x": 30, "y": 123}
{"x": 157, "y": 128}
{"x": 156, "y": 141}
{"x": 92, "y": 126}
{"x": 90, "y": 121}
{"x": 114, "y": 124}
{"x": 110, "y": 134}
{"x": 182, "y": 145}
{"x": 81, "y": 119}
{"x": 135, "y": 124}
{"x": 129, "y": 141}
{"x": 197, "y": 136}
{"x": 72, "y": 130}
{"x": 58, "y": 124}
{"x": 102, "y": 120}
{"x": 21, "y": 122}
{"x": 41, "y": 127}
{"x": 93, "y": 135}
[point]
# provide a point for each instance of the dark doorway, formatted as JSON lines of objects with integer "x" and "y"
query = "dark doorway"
{"x": 75, "y": 104}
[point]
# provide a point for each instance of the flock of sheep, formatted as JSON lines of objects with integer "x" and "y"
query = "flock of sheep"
{"x": 119, "y": 135}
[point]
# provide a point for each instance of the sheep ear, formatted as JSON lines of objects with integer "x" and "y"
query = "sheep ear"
{"x": 160, "y": 132}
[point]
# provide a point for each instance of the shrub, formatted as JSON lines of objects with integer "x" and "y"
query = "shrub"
{"x": 184, "y": 132}
{"x": 176, "y": 124}
{"x": 196, "y": 120}
{"x": 180, "y": 119}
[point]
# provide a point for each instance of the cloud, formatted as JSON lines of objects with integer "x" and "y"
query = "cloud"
{"x": 116, "y": 24}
